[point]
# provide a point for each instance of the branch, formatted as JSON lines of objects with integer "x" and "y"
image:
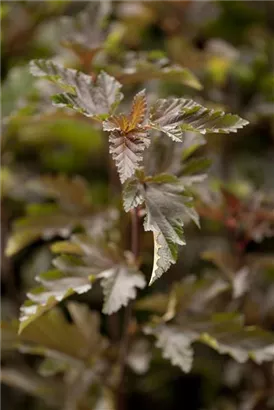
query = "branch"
{"x": 127, "y": 318}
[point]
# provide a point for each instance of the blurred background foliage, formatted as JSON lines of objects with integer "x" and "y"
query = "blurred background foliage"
{"x": 226, "y": 49}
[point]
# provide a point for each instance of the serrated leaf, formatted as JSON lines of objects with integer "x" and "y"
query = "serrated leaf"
{"x": 175, "y": 345}
{"x": 73, "y": 208}
{"x": 167, "y": 206}
{"x": 128, "y": 138}
{"x": 139, "y": 109}
{"x": 226, "y": 334}
{"x": 127, "y": 151}
{"x": 82, "y": 262}
{"x": 223, "y": 332}
{"x": 132, "y": 194}
{"x": 119, "y": 286}
{"x": 174, "y": 116}
{"x": 83, "y": 94}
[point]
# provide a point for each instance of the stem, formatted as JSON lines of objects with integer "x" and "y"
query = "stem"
{"x": 128, "y": 313}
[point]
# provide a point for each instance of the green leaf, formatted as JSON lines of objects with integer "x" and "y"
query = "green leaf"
{"x": 82, "y": 262}
{"x": 195, "y": 165}
{"x": 167, "y": 205}
{"x": 174, "y": 116}
{"x": 83, "y": 94}
{"x": 128, "y": 138}
{"x": 50, "y": 367}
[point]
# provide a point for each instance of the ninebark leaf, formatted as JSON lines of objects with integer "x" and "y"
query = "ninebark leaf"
{"x": 128, "y": 138}
{"x": 173, "y": 116}
{"x": 82, "y": 93}
{"x": 119, "y": 286}
{"x": 82, "y": 262}
{"x": 127, "y": 151}
{"x": 139, "y": 109}
{"x": 167, "y": 206}
{"x": 224, "y": 333}
{"x": 175, "y": 345}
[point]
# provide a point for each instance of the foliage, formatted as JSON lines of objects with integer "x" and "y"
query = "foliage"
{"x": 99, "y": 192}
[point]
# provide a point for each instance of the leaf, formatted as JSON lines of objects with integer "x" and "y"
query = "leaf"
{"x": 144, "y": 66}
{"x": 84, "y": 33}
{"x": 87, "y": 322}
{"x": 127, "y": 151}
{"x": 139, "y": 109}
{"x": 73, "y": 208}
{"x": 82, "y": 262}
{"x": 175, "y": 346}
{"x": 83, "y": 94}
{"x": 167, "y": 205}
{"x": 52, "y": 336}
{"x": 132, "y": 194}
{"x": 223, "y": 332}
{"x": 66, "y": 347}
{"x": 128, "y": 138}
{"x": 191, "y": 143}
{"x": 195, "y": 294}
{"x": 50, "y": 367}
{"x": 191, "y": 294}
{"x": 226, "y": 334}
{"x": 195, "y": 165}
{"x": 174, "y": 116}
{"x": 119, "y": 286}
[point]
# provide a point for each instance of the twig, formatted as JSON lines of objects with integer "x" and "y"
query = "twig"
{"x": 127, "y": 318}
